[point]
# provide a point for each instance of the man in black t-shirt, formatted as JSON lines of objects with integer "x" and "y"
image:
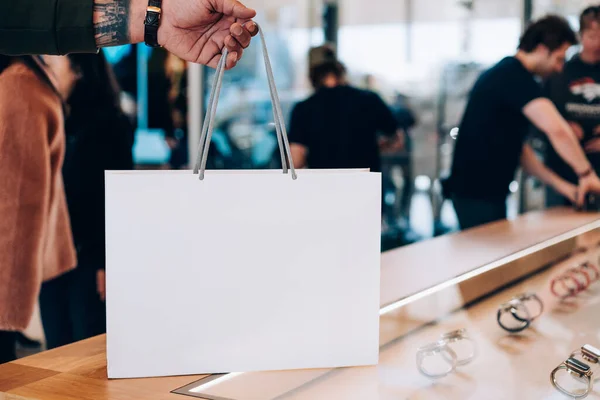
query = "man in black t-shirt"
{"x": 576, "y": 94}
{"x": 505, "y": 100}
{"x": 338, "y": 126}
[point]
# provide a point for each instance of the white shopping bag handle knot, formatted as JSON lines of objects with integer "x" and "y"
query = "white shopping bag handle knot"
{"x": 211, "y": 111}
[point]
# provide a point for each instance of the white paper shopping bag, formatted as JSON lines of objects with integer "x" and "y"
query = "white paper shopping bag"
{"x": 242, "y": 270}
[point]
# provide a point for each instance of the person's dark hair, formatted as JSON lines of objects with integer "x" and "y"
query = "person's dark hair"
{"x": 551, "y": 31}
{"x": 319, "y": 72}
{"x": 97, "y": 84}
{"x": 588, "y": 17}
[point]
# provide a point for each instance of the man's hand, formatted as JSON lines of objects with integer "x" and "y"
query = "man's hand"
{"x": 593, "y": 146}
{"x": 197, "y": 30}
{"x": 394, "y": 144}
{"x": 194, "y": 30}
{"x": 299, "y": 155}
{"x": 101, "y": 284}
{"x": 534, "y": 166}
{"x": 544, "y": 115}
{"x": 568, "y": 190}
{"x": 172, "y": 143}
{"x": 589, "y": 184}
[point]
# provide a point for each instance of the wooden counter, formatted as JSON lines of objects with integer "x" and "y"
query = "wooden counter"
{"x": 412, "y": 269}
{"x": 78, "y": 371}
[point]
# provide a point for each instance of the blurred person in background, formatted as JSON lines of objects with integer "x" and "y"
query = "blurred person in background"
{"x": 505, "y": 100}
{"x": 406, "y": 121}
{"x": 576, "y": 94}
{"x": 99, "y": 138}
{"x": 36, "y": 243}
{"x": 176, "y": 71}
{"x": 340, "y": 126}
{"x": 126, "y": 73}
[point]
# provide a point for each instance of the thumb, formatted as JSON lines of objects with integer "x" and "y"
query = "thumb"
{"x": 234, "y": 8}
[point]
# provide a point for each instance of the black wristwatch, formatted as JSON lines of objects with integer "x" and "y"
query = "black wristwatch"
{"x": 152, "y": 22}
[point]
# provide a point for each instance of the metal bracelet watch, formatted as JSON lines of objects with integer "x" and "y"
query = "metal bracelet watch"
{"x": 579, "y": 272}
{"x": 589, "y": 353}
{"x": 520, "y": 313}
{"x": 152, "y": 23}
{"x": 578, "y": 370}
{"x": 564, "y": 290}
{"x": 436, "y": 349}
{"x": 443, "y": 348}
{"x": 527, "y": 299}
{"x": 589, "y": 267}
{"x": 459, "y": 336}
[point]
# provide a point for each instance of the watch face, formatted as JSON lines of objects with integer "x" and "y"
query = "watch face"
{"x": 578, "y": 366}
{"x": 591, "y": 350}
{"x": 152, "y": 18}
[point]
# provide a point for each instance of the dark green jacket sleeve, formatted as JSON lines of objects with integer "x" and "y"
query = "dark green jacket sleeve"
{"x": 47, "y": 27}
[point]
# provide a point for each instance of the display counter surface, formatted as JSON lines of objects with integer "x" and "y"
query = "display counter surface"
{"x": 508, "y": 367}
{"x": 412, "y": 269}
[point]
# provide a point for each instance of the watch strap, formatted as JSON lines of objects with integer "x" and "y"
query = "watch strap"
{"x": 152, "y": 23}
{"x": 586, "y": 173}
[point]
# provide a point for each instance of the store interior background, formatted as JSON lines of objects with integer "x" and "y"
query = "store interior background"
{"x": 427, "y": 53}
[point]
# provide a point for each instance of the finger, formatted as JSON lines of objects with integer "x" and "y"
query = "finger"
{"x": 98, "y": 280}
{"x": 233, "y": 46}
{"x": 101, "y": 284}
{"x": 237, "y": 56}
{"x": 239, "y": 33}
{"x": 213, "y": 61}
{"x": 233, "y": 8}
{"x": 251, "y": 27}
{"x": 593, "y": 145}
{"x": 232, "y": 59}
{"x": 581, "y": 196}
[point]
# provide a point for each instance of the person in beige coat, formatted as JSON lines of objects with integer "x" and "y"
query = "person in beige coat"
{"x": 36, "y": 244}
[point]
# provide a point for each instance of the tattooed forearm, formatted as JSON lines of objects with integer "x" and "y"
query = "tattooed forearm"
{"x": 111, "y": 22}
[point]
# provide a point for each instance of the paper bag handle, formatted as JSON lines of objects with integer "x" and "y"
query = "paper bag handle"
{"x": 211, "y": 111}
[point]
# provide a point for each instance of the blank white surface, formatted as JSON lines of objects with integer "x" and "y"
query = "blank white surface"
{"x": 241, "y": 272}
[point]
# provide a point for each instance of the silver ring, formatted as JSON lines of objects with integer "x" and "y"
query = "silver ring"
{"x": 579, "y": 371}
{"x": 458, "y": 336}
{"x": 433, "y": 350}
